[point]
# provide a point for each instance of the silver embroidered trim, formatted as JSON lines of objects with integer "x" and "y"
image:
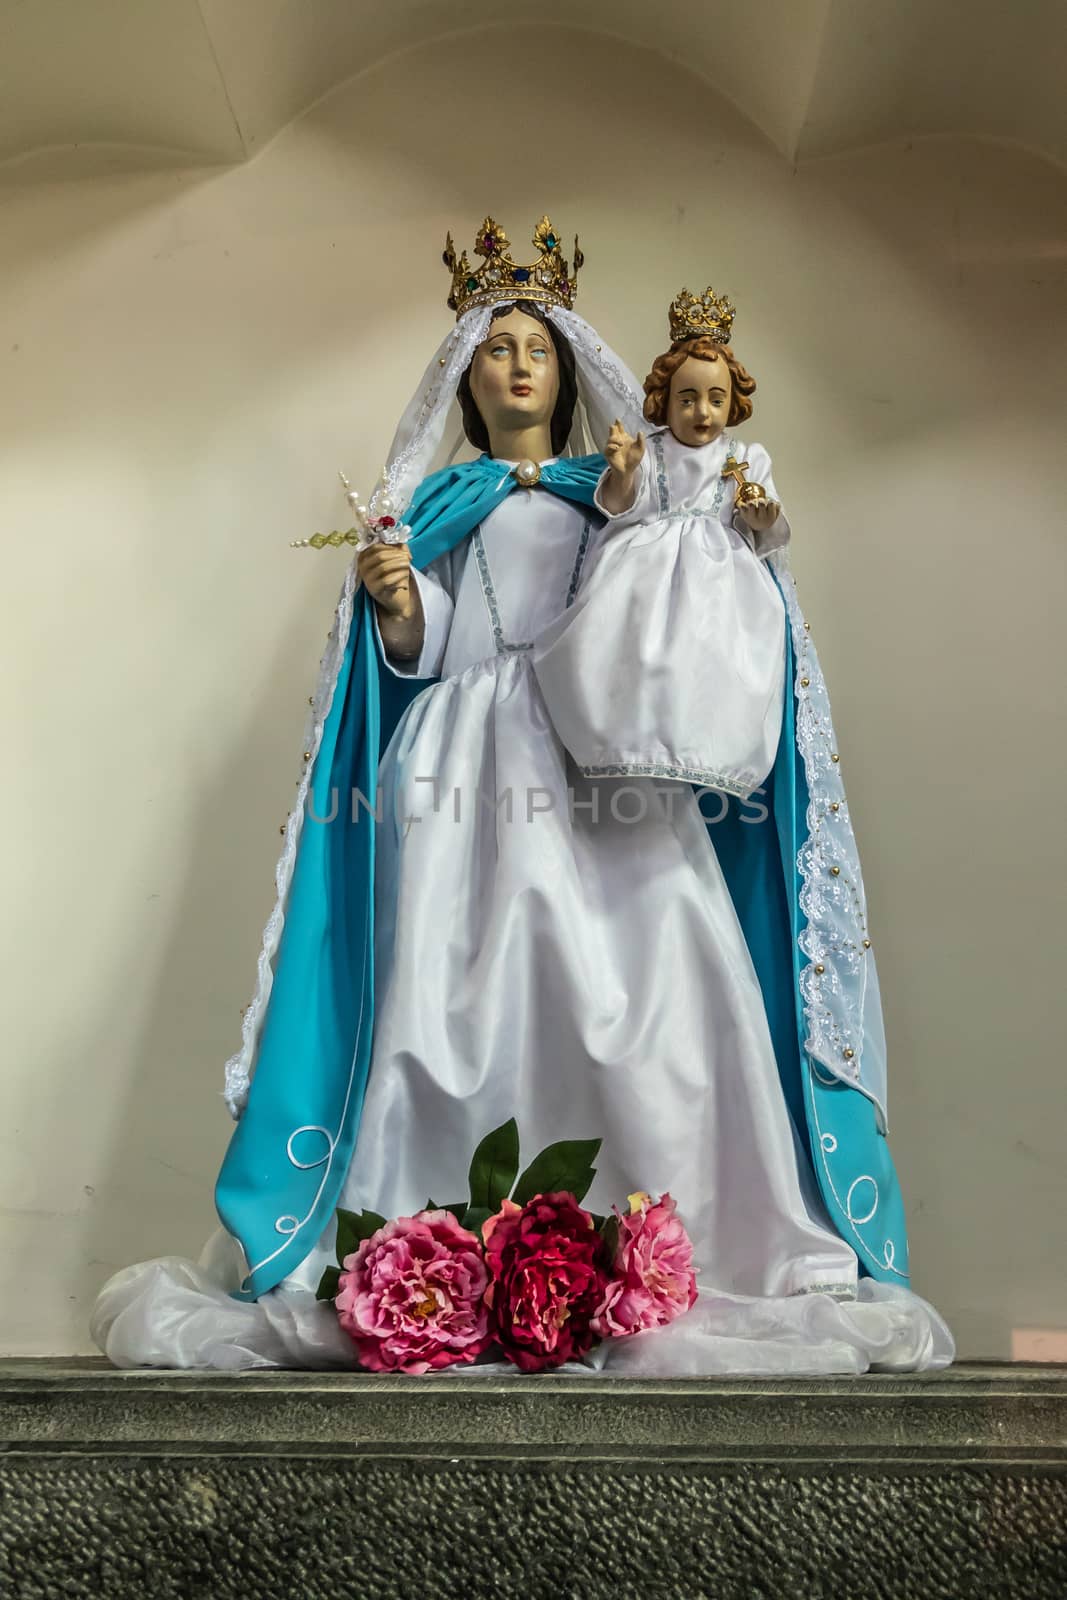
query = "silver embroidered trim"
{"x": 720, "y": 487}
{"x": 662, "y": 490}
{"x": 504, "y": 646}
{"x": 579, "y": 560}
{"x": 737, "y": 785}
{"x": 488, "y": 589}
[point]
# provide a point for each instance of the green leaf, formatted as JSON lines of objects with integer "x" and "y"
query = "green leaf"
{"x": 352, "y": 1228}
{"x": 457, "y": 1208}
{"x": 567, "y": 1166}
{"x": 494, "y": 1165}
{"x": 474, "y": 1218}
{"x": 329, "y": 1284}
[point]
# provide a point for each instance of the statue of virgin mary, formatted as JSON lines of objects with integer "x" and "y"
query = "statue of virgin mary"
{"x": 470, "y": 927}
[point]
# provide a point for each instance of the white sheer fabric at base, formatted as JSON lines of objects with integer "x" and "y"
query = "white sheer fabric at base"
{"x": 174, "y": 1313}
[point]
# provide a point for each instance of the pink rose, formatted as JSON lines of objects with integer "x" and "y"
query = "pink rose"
{"x": 653, "y": 1280}
{"x": 547, "y": 1268}
{"x": 412, "y": 1297}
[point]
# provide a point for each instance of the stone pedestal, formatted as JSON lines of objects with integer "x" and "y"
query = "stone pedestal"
{"x": 209, "y": 1486}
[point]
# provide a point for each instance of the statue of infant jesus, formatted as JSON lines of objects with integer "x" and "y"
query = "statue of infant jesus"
{"x": 679, "y": 643}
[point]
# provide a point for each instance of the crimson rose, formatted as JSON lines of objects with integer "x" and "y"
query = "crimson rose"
{"x": 548, "y": 1275}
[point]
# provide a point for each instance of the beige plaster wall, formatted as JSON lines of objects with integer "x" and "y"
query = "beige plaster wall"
{"x": 185, "y": 360}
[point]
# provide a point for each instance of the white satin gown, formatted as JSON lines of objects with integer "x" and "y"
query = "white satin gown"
{"x": 563, "y": 949}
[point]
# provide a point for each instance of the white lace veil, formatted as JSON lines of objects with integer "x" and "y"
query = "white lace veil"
{"x": 606, "y": 389}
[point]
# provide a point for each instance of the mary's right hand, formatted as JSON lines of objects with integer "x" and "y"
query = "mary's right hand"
{"x": 385, "y": 570}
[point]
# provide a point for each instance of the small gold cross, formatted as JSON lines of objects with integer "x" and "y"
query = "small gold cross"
{"x": 735, "y": 469}
{"x": 747, "y": 494}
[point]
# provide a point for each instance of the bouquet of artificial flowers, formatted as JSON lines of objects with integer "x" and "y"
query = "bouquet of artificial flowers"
{"x": 520, "y": 1265}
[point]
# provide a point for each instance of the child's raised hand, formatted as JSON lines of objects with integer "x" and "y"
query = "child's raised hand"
{"x": 623, "y": 452}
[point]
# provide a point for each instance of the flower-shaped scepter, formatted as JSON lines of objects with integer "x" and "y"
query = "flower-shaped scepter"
{"x": 376, "y": 524}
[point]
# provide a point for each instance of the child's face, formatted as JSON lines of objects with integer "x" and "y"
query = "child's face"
{"x": 698, "y": 405}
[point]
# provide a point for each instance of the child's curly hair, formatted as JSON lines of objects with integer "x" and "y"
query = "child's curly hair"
{"x": 658, "y": 382}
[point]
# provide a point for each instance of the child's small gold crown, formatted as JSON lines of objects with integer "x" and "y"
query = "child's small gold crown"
{"x": 692, "y": 315}
{"x": 548, "y": 280}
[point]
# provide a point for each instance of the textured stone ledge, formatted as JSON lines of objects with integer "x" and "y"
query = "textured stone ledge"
{"x": 208, "y": 1485}
{"x": 969, "y": 1413}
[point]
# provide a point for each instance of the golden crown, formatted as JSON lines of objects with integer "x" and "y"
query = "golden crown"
{"x": 692, "y": 315}
{"x": 549, "y": 279}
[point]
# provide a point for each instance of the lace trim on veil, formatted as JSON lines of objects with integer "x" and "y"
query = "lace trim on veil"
{"x": 423, "y": 424}
{"x": 839, "y": 984}
{"x": 239, "y": 1066}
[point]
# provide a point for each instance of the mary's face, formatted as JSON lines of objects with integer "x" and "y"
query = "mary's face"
{"x": 514, "y": 376}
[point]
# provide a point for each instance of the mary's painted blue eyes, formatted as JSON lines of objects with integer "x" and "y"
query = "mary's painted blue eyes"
{"x": 505, "y": 350}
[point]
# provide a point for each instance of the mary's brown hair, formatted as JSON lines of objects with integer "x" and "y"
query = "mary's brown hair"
{"x": 658, "y": 382}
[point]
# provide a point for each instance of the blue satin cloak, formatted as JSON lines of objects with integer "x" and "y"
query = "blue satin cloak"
{"x": 849, "y": 1152}
{"x": 287, "y": 1159}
